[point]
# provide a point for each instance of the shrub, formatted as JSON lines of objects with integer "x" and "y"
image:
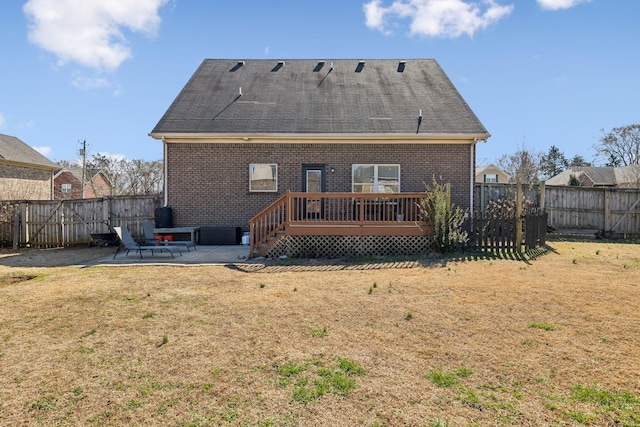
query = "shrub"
{"x": 445, "y": 218}
{"x": 506, "y": 207}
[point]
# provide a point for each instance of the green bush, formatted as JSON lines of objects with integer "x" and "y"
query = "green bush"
{"x": 445, "y": 218}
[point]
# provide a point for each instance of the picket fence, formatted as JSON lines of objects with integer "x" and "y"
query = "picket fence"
{"x": 498, "y": 233}
{"x": 55, "y": 223}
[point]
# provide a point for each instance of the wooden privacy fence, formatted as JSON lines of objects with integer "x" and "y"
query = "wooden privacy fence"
{"x": 487, "y": 192}
{"x": 612, "y": 211}
{"x": 55, "y": 223}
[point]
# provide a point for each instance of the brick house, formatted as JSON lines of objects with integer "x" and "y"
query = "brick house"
{"x": 67, "y": 184}
{"x": 241, "y": 134}
{"x": 25, "y": 174}
{"x": 598, "y": 176}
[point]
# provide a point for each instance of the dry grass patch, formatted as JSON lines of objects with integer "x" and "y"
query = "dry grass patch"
{"x": 450, "y": 342}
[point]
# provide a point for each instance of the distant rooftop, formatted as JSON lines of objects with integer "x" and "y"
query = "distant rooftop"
{"x": 600, "y": 176}
{"x": 13, "y": 150}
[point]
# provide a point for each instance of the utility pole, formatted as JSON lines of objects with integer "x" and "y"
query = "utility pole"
{"x": 83, "y": 153}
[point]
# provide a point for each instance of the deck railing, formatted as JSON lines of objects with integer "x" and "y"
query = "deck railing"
{"x": 347, "y": 214}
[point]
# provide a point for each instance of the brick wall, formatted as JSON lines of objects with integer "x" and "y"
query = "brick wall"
{"x": 208, "y": 184}
{"x": 21, "y": 183}
{"x": 67, "y": 178}
{"x": 97, "y": 186}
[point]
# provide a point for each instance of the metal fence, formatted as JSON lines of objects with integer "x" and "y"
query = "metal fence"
{"x": 55, "y": 223}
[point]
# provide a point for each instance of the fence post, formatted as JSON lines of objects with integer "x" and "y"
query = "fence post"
{"x": 606, "y": 227}
{"x": 518, "y": 242}
{"x": 16, "y": 229}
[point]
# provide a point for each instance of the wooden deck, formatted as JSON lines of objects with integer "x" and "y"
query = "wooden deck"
{"x": 337, "y": 214}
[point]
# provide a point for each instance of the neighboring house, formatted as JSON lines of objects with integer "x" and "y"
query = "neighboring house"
{"x": 593, "y": 176}
{"x": 25, "y": 174}
{"x": 68, "y": 184}
{"x": 491, "y": 174}
{"x": 241, "y": 134}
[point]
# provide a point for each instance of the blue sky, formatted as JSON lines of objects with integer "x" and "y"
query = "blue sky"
{"x": 536, "y": 72}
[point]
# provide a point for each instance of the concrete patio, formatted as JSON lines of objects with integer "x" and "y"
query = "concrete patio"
{"x": 202, "y": 255}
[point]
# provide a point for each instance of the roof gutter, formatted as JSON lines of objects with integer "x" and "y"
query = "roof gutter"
{"x": 29, "y": 165}
{"x": 397, "y": 138}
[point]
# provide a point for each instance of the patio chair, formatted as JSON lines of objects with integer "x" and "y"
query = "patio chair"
{"x": 131, "y": 245}
{"x": 150, "y": 238}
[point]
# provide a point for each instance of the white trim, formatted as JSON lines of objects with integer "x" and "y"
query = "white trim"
{"x": 472, "y": 177}
{"x": 52, "y": 168}
{"x": 376, "y": 175}
{"x": 328, "y": 138}
{"x": 166, "y": 169}
{"x": 271, "y": 171}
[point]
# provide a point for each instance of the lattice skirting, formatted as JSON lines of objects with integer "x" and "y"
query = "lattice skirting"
{"x": 349, "y": 246}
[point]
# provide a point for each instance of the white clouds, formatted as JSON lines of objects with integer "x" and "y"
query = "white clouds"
{"x": 3, "y": 121}
{"x": 89, "y": 32}
{"x": 111, "y": 156}
{"x": 560, "y": 4}
{"x": 82, "y": 82}
{"x": 45, "y": 151}
{"x": 437, "y": 18}
{"x": 86, "y": 83}
{"x": 374, "y": 15}
{"x": 447, "y": 18}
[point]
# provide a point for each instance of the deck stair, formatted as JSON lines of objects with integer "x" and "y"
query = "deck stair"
{"x": 336, "y": 214}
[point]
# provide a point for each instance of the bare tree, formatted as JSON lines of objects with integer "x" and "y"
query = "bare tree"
{"x": 523, "y": 165}
{"x": 621, "y": 146}
{"x": 129, "y": 176}
{"x": 144, "y": 177}
{"x": 113, "y": 167}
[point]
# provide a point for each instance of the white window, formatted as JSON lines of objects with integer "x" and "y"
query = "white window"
{"x": 263, "y": 177}
{"x": 375, "y": 178}
{"x": 491, "y": 177}
{"x": 65, "y": 188}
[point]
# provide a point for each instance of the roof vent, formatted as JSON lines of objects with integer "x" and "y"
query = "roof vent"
{"x": 401, "y": 66}
{"x": 279, "y": 65}
{"x": 237, "y": 66}
{"x": 360, "y": 66}
{"x": 318, "y": 66}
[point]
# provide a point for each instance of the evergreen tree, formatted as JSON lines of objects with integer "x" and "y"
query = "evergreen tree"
{"x": 553, "y": 162}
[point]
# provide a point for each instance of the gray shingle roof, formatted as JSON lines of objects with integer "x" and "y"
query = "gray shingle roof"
{"x": 600, "y": 176}
{"x": 14, "y": 150}
{"x": 308, "y": 96}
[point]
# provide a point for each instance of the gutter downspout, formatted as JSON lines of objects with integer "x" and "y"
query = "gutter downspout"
{"x": 165, "y": 169}
{"x": 472, "y": 175}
